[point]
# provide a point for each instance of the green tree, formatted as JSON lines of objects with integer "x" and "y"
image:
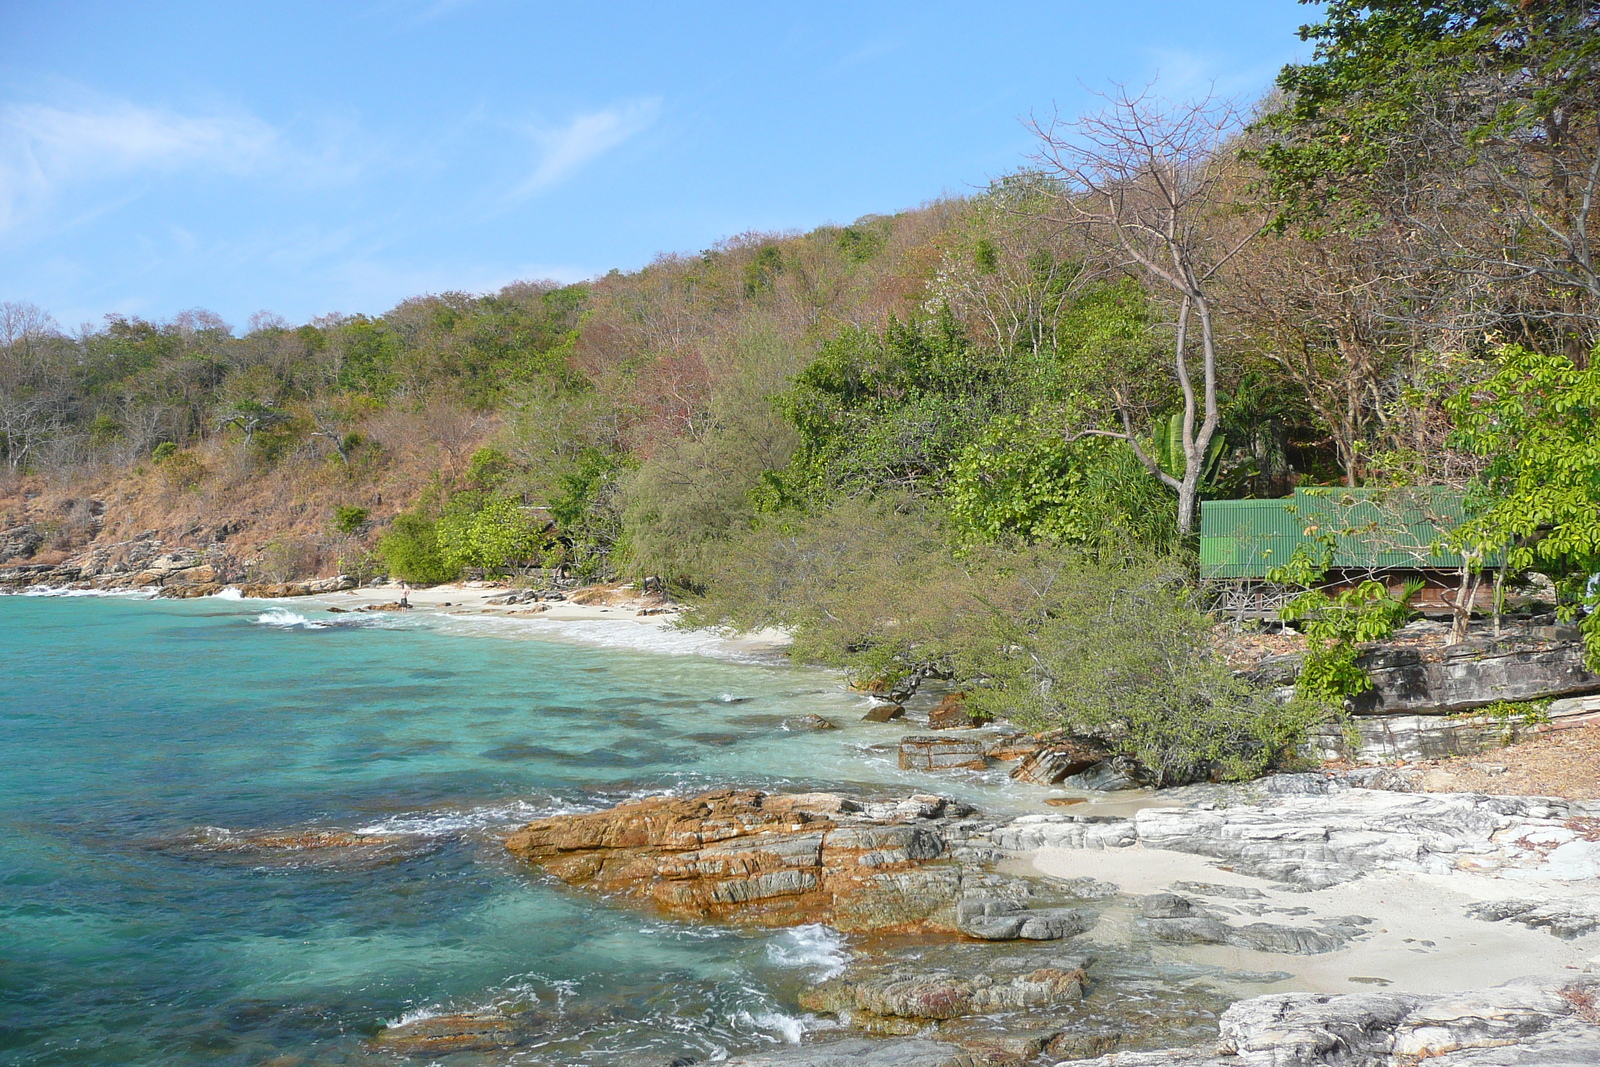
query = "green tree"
{"x": 494, "y": 536}
{"x": 1537, "y": 420}
{"x": 889, "y": 410}
{"x": 1472, "y": 127}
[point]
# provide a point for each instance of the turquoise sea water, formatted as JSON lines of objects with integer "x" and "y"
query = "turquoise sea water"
{"x": 142, "y": 742}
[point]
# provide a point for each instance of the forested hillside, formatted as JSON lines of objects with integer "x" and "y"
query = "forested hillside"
{"x": 946, "y": 438}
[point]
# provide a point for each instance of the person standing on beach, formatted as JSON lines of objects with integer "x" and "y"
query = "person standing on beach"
{"x": 405, "y": 595}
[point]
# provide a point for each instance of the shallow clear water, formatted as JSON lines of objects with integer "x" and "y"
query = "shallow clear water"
{"x": 139, "y": 741}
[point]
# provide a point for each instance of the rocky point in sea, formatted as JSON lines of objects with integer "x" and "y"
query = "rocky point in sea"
{"x": 961, "y": 961}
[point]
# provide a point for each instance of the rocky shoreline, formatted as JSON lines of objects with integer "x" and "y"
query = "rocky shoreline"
{"x": 986, "y": 941}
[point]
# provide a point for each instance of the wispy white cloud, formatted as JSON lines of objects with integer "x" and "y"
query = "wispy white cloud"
{"x": 121, "y": 135}
{"x": 48, "y": 148}
{"x": 1182, "y": 74}
{"x": 563, "y": 151}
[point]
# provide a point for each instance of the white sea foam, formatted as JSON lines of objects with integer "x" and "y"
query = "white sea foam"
{"x": 625, "y": 634}
{"x": 230, "y": 593}
{"x": 452, "y": 823}
{"x": 417, "y": 1015}
{"x": 288, "y": 620}
{"x": 57, "y": 590}
{"x": 790, "y": 1028}
{"x": 814, "y": 947}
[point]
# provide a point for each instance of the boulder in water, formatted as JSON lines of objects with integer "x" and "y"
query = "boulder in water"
{"x": 884, "y": 713}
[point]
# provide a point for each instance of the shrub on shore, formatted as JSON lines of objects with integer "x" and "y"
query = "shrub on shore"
{"x": 410, "y": 550}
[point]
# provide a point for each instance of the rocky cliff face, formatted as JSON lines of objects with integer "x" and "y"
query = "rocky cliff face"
{"x": 1471, "y": 675}
{"x": 143, "y": 562}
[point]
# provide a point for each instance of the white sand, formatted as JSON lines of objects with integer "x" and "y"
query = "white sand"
{"x": 1422, "y": 940}
{"x": 622, "y": 605}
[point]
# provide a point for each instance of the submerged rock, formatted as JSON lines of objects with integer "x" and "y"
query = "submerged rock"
{"x": 808, "y": 722}
{"x": 861, "y": 1052}
{"x": 462, "y": 1032}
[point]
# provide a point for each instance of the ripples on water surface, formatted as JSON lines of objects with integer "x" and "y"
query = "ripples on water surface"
{"x": 142, "y": 744}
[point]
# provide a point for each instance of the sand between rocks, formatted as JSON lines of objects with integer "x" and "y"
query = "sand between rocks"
{"x": 1422, "y": 941}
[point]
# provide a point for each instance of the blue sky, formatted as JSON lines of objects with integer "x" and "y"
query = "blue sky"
{"x": 309, "y": 158}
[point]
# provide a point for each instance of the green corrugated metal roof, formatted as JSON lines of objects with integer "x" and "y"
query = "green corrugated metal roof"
{"x": 1373, "y": 529}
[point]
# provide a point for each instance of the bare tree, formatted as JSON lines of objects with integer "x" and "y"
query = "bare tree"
{"x": 1017, "y": 276}
{"x": 33, "y": 397}
{"x": 1149, "y": 180}
{"x": 1325, "y": 311}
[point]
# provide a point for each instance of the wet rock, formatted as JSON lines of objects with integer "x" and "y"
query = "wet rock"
{"x": 189, "y": 592}
{"x": 943, "y": 995}
{"x": 744, "y": 856}
{"x": 1008, "y": 920}
{"x": 884, "y": 713}
{"x": 1166, "y": 906}
{"x": 1015, "y": 747}
{"x": 919, "y": 753}
{"x": 309, "y": 587}
{"x": 808, "y": 722}
{"x": 1051, "y": 765}
{"x": 442, "y": 1034}
{"x": 952, "y": 713}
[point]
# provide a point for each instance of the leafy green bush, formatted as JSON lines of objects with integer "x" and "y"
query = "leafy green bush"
{"x": 1119, "y": 651}
{"x": 1022, "y": 478}
{"x": 494, "y": 536}
{"x": 1112, "y": 647}
{"x": 1336, "y": 624}
{"x": 348, "y": 519}
{"x": 411, "y": 551}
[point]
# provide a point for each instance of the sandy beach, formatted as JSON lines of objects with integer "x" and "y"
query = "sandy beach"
{"x": 618, "y": 603}
{"x": 1422, "y": 939}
